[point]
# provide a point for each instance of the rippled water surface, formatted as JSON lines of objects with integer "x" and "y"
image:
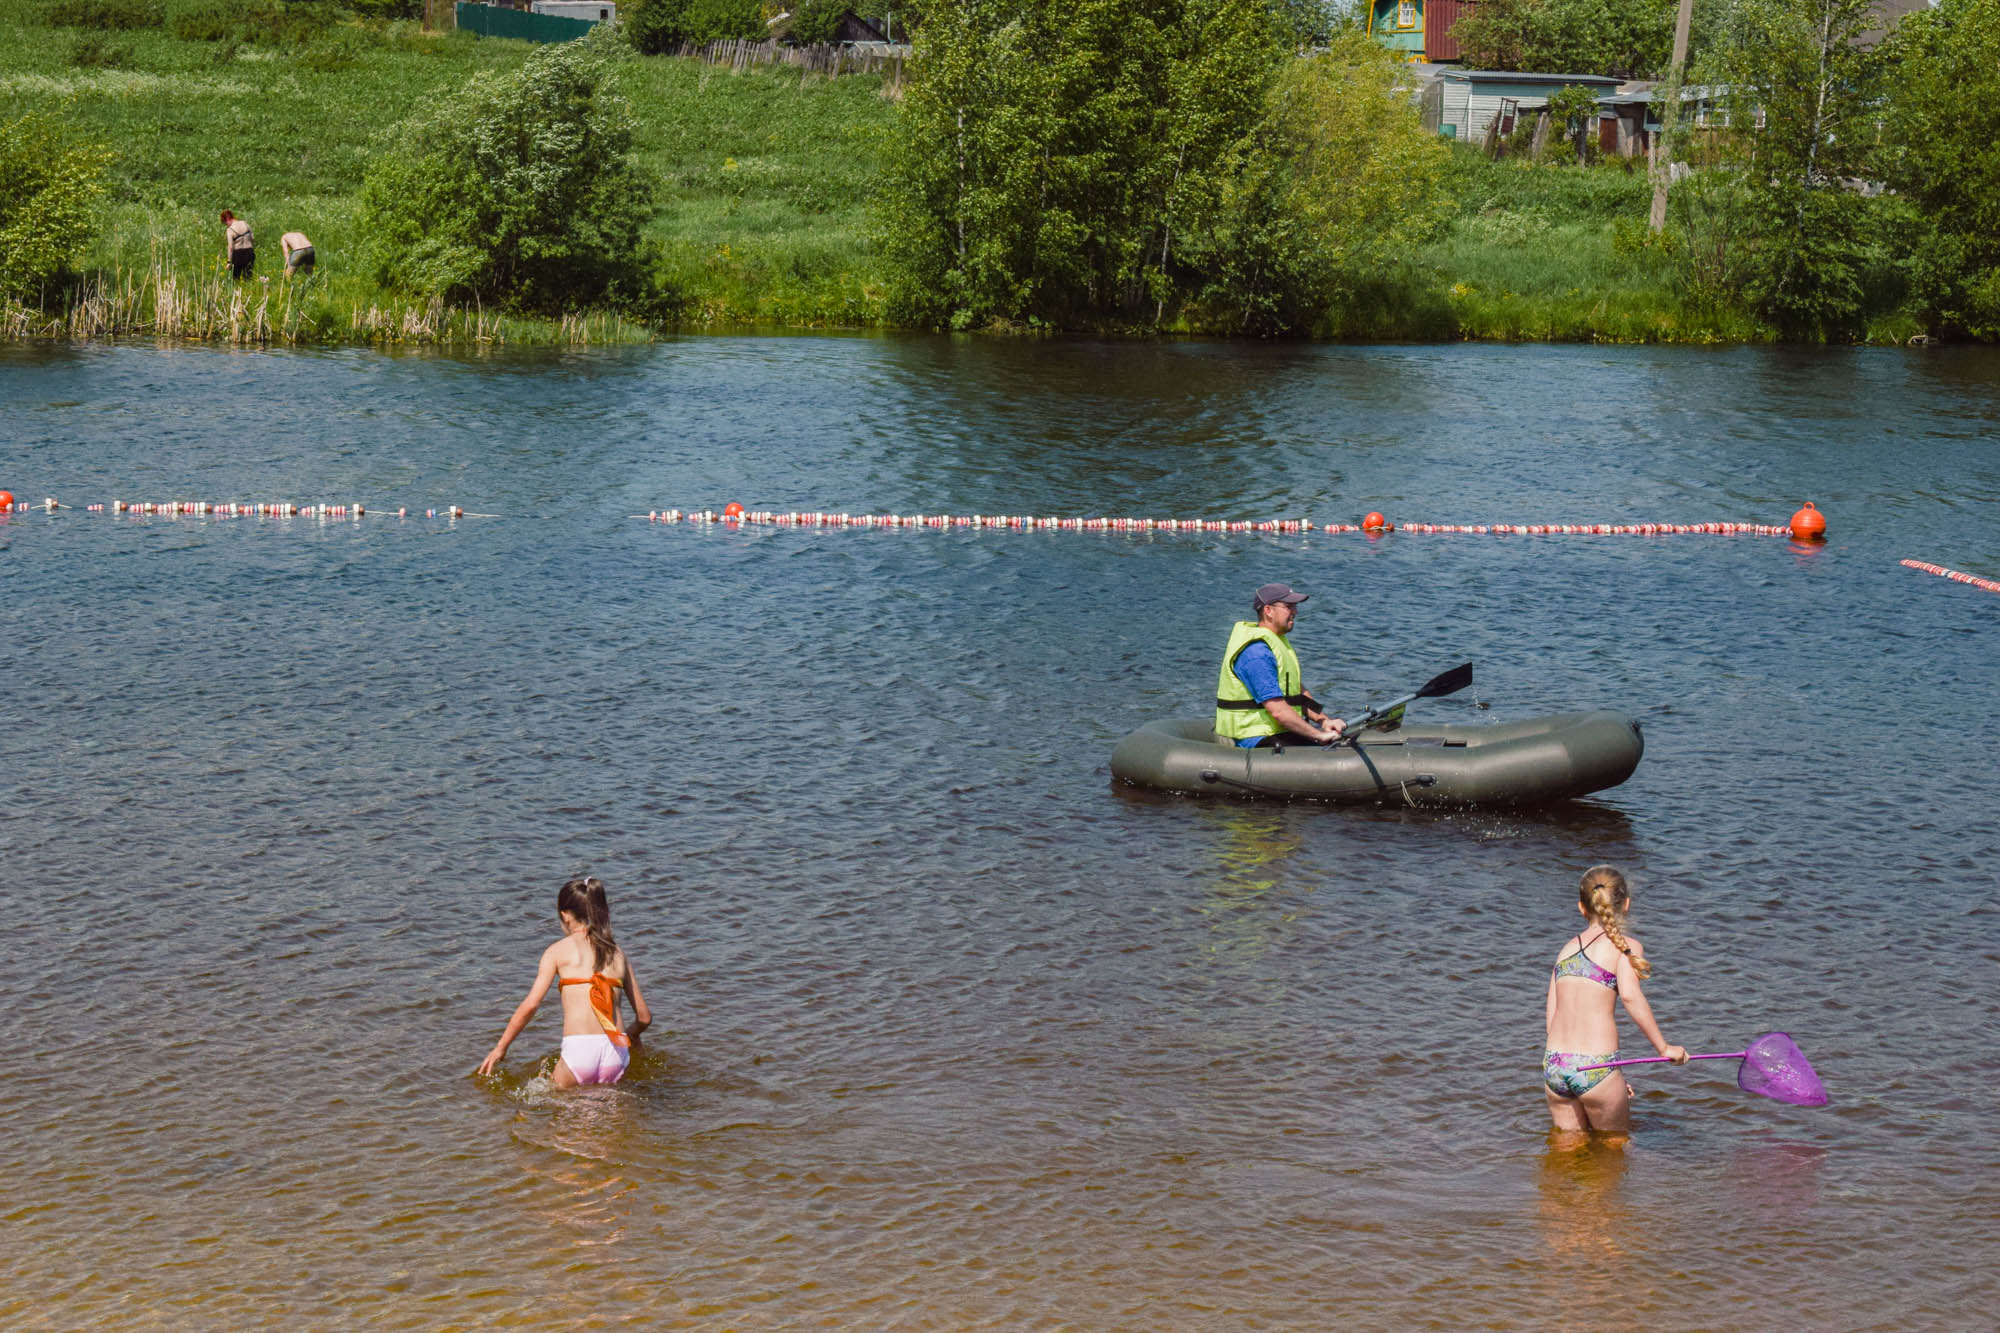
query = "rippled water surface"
{"x": 952, "y": 1031}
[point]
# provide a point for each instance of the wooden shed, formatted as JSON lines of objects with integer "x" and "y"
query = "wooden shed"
{"x": 1628, "y": 121}
{"x": 1461, "y": 103}
{"x": 851, "y": 30}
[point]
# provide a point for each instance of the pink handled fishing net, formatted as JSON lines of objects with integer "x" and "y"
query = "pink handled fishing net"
{"x": 1775, "y": 1067}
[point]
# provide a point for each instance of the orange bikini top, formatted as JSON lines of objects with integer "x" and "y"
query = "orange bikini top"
{"x": 603, "y": 1003}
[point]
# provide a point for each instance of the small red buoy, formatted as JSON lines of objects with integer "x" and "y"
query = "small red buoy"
{"x": 1373, "y": 522}
{"x": 1809, "y": 525}
{"x": 732, "y": 510}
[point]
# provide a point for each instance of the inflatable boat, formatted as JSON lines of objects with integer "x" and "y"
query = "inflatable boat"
{"x": 1510, "y": 763}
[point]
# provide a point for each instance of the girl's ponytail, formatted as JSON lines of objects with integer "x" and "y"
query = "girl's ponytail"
{"x": 584, "y": 899}
{"x": 1604, "y": 895}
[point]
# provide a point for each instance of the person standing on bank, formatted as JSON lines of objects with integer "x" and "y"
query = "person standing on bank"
{"x": 239, "y": 247}
{"x": 1258, "y": 698}
{"x": 298, "y": 253}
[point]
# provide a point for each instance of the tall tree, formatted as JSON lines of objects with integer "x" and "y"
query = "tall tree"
{"x": 1802, "y": 104}
{"x": 1943, "y": 153}
{"x": 1626, "y": 38}
{"x": 1075, "y": 162}
{"x": 519, "y": 188}
{"x": 1336, "y": 182}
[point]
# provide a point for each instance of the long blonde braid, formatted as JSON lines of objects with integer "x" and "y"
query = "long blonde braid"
{"x": 1604, "y": 895}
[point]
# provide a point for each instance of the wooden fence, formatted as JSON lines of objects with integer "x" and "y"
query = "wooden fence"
{"x": 832, "y": 61}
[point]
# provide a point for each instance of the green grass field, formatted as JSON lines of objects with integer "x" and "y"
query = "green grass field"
{"x": 765, "y": 179}
{"x": 765, "y": 176}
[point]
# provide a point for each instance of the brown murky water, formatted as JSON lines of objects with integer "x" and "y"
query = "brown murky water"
{"x": 953, "y": 1033}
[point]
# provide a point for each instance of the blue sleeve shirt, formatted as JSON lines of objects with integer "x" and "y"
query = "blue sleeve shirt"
{"x": 1257, "y": 667}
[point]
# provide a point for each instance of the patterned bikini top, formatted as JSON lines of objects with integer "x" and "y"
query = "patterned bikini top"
{"x": 1578, "y": 964}
{"x": 603, "y": 1003}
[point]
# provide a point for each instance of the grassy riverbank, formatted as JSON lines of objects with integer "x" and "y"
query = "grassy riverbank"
{"x": 765, "y": 184}
{"x": 765, "y": 180}
{"x": 1550, "y": 253}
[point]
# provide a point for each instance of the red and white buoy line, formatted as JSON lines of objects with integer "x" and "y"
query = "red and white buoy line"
{"x": 1955, "y": 575}
{"x": 1373, "y": 524}
{"x": 234, "y": 509}
{"x": 1018, "y": 522}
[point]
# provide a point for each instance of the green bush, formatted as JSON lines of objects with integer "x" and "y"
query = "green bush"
{"x": 105, "y": 15}
{"x": 724, "y": 20}
{"x": 387, "y": 9}
{"x": 517, "y": 189}
{"x": 252, "y": 22}
{"x": 1629, "y": 38}
{"x": 93, "y": 52}
{"x": 814, "y": 21}
{"x": 651, "y": 26}
{"x": 50, "y": 187}
{"x": 654, "y": 26}
{"x": 1573, "y": 120}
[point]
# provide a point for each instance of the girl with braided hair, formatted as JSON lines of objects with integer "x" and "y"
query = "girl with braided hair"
{"x": 1598, "y": 965}
{"x": 589, "y": 969}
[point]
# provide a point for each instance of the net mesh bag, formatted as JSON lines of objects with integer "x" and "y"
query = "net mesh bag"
{"x": 1775, "y": 1067}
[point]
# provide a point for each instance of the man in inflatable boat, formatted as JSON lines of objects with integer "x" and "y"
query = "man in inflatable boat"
{"x": 1258, "y": 698}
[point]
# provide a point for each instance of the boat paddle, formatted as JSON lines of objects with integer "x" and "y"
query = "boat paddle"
{"x": 1451, "y": 682}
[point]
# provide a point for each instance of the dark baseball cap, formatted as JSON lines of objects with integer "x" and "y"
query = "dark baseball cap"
{"x": 1273, "y": 593}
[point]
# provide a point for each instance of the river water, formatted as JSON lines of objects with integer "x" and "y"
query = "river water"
{"x": 952, "y": 1031}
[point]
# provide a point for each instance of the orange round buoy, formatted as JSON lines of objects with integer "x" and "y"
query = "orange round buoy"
{"x": 1373, "y": 522}
{"x": 6, "y": 501}
{"x": 732, "y": 510}
{"x": 1809, "y": 525}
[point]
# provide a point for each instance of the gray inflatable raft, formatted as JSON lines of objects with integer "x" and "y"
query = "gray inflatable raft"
{"x": 1512, "y": 763}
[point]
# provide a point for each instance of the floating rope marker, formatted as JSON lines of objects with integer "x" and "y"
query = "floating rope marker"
{"x": 1373, "y": 525}
{"x": 223, "y": 509}
{"x": 1955, "y": 575}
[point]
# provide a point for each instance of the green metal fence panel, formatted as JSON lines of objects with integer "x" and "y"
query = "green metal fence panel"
{"x": 493, "y": 21}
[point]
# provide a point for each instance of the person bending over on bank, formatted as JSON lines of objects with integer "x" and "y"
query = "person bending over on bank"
{"x": 1258, "y": 698}
{"x": 239, "y": 247}
{"x": 298, "y": 253}
{"x": 591, "y": 969}
{"x": 1595, "y": 967}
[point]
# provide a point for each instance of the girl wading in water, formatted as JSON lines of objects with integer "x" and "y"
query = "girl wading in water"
{"x": 1598, "y": 965}
{"x": 591, "y": 970}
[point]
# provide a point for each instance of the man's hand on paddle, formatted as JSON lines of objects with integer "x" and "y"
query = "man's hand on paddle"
{"x": 1324, "y": 731}
{"x": 1332, "y": 728}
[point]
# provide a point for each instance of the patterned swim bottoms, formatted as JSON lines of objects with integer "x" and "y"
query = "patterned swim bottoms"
{"x": 1564, "y": 1073}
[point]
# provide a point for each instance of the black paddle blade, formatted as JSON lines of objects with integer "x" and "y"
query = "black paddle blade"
{"x": 1451, "y": 682}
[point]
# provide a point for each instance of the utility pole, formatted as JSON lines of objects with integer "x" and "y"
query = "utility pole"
{"x": 1670, "y": 115}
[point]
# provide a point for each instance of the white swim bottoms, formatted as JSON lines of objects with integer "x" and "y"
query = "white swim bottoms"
{"x": 595, "y": 1058}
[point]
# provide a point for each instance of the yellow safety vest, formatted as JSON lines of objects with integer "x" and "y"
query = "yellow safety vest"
{"x": 1238, "y": 716}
